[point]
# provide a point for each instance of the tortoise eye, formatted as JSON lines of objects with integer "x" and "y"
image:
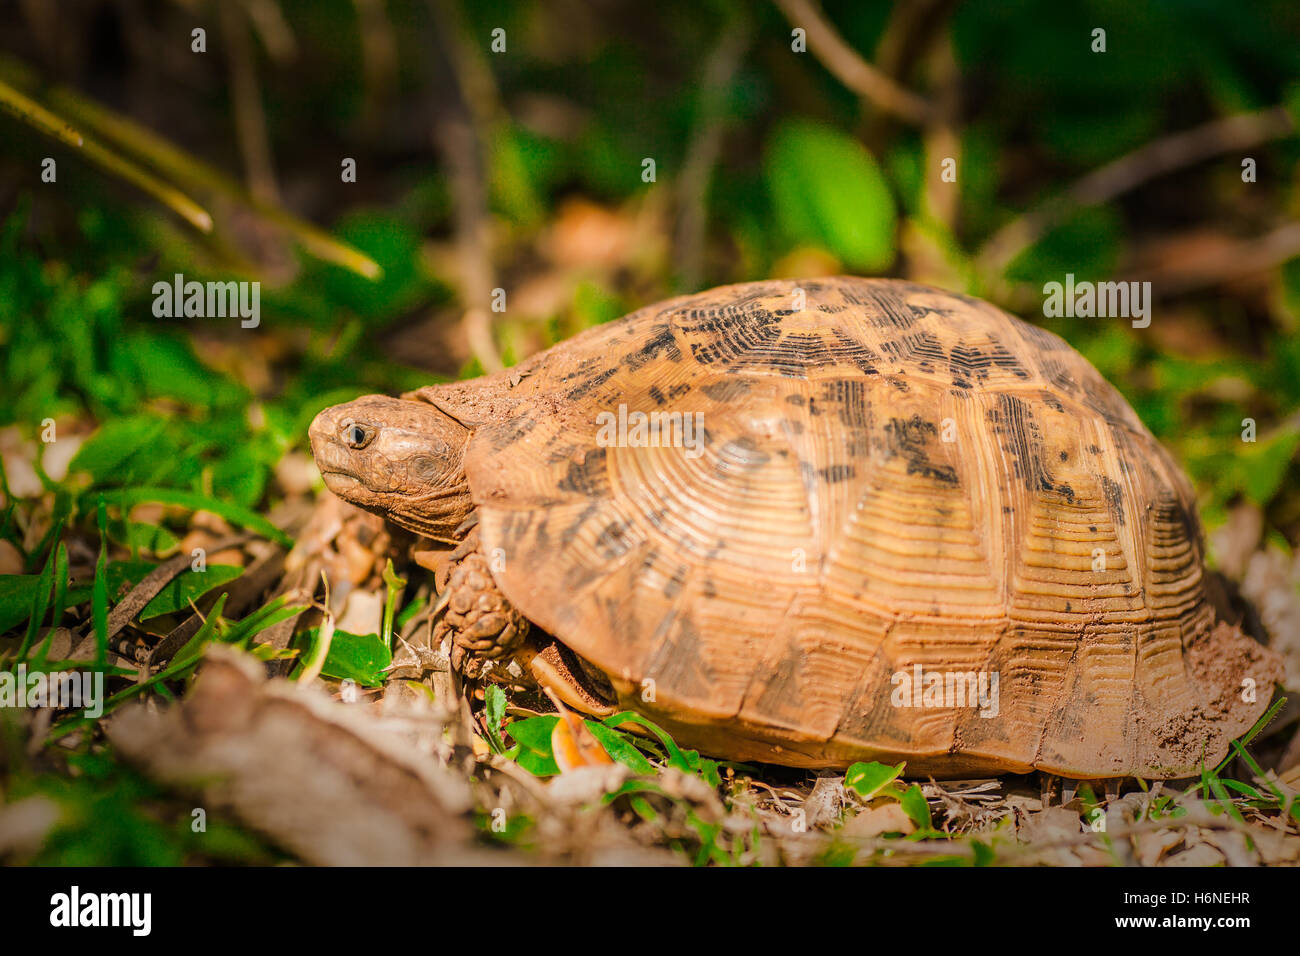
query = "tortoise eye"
{"x": 357, "y": 436}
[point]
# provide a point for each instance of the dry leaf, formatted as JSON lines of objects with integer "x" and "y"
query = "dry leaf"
{"x": 322, "y": 779}
{"x": 574, "y": 746}
{"x": 887, "y": 818}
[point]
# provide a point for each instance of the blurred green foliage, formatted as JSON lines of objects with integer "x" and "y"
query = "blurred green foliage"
{"x": 806, "y": 175}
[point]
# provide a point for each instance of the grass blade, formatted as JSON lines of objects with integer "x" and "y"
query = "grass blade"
{"x": 99, "y": 592}
{"x": 55, "y": 126}
{"x": 41, "y": 603}
{"x": 245, "y": 518}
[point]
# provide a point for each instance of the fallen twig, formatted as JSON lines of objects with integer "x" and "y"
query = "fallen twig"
{"x": 847, "y": 66}
{"x": 1155, "y": 159}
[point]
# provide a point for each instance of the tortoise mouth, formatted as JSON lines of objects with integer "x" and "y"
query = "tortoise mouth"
{"x": 340, "y": 482}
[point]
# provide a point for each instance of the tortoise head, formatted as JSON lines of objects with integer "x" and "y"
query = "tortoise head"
{"x": 398, "y": 458}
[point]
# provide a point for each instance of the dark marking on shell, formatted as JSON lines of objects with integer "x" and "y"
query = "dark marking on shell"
{"x": 591, "y": 384}
{"x": 728, "y": 390}
{"x": 1114, "y": 499}
{"x": 849, "y": 396}
{"x": 837, "y": 473}
{"x": 975, "y": 362}
{"x": 673, "y": 586}
{"x": 590, "y": 477}
{"x": 1023, "y": 442}
{"x": 662, "y": 340}
{"x": 614, "y": 541}
{"x": 908, "y": 438}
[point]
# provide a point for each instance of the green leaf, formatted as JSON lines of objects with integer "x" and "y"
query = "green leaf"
{"x": 115, "y": 443}
{"x": 533, "y": 734}
{"x": 868, "y": 779}
{"x": 914, "y": 805}
{"x": 513, "y": 190}
{"x": 245, "y": 518}
{"x": 122, "y": 575}
{"x": 619, "y": 747}
{"x": 140, "y": 536}
{"x": 1086, "y": 244}
{"x": 493, "y": 712}
{"x": 687, "y": 761}
{"x": 18, "y": 596}
{"x": 828, "y": 190}
{"x": 539, "y": 765}
{"x": 186, "y": 587}
{"x": 1266, "y": 463}
{"x": 359, "y": 657}
{"x": 168, "y": 368}
{"x": 394, "y": 245}
{"x": 240, "y": 476}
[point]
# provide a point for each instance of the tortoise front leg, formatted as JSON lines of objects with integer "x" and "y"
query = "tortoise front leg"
{"x": 478, "y": 616}
{"x": 484, "y": 624}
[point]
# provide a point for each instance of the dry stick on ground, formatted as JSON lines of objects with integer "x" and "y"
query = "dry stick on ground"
{"x": 250, "y": 119}
{"x": 1115, "y": 178}
{"x": 702, "y": 152}
{"x": 844, "y": 63}
{"x": 462, "y": 140}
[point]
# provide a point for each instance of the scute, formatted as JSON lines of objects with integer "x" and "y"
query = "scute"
{"x": 888, "y": 476}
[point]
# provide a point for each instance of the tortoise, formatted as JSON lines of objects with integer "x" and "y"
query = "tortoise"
{"x": 816, "y": 522}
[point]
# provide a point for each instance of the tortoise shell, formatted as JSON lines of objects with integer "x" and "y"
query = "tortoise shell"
{"x": 878, "y": 500}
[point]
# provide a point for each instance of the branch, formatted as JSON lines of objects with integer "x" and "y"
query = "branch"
{"x": 702, "y": 152}
{"x": 1185, "y": 267}
{"x": 250, "y": 118}
{"x": 847, "y": 66}
{"x": 1145, "y": 163}
{"x": 463, "y": 139}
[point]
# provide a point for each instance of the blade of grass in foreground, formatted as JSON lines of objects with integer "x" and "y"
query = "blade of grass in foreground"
{"x": 56, "y": 127}
{"x": 41, "y": 604}
{"x": 99, "y": 592}
{"x": 195, "y": 501}
{"x": 185, "y": 168}
{"x": 60, "y": 603}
